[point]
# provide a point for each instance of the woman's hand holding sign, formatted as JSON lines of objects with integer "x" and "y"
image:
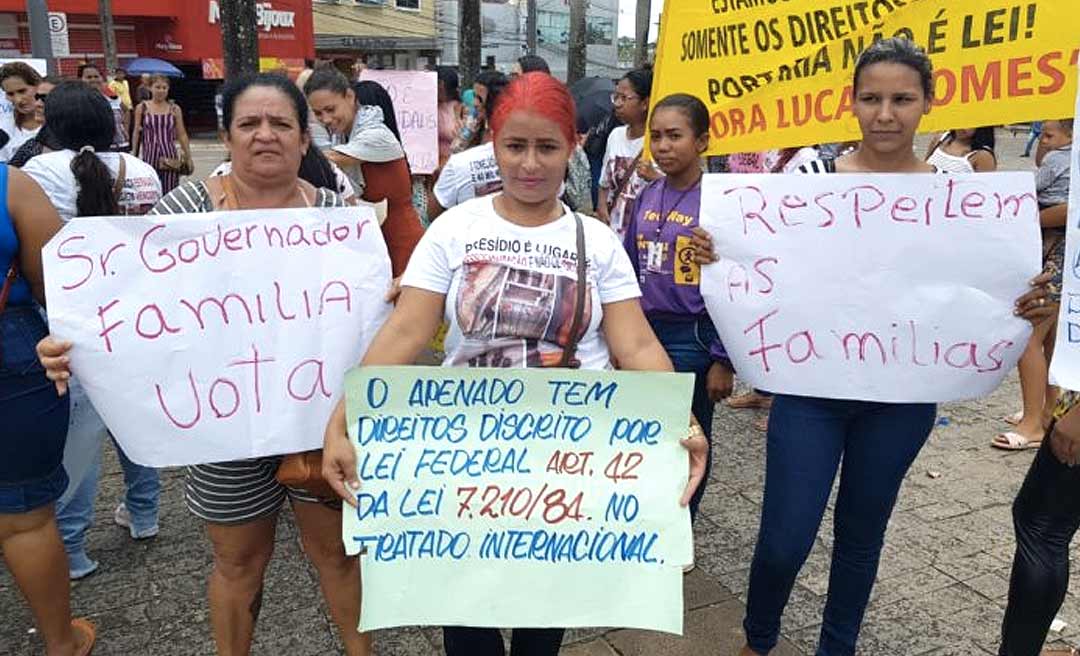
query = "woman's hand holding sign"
{"x": 52, "y": 353}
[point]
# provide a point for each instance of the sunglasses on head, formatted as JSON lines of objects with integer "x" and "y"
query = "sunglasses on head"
{"x": 41, "y": 96}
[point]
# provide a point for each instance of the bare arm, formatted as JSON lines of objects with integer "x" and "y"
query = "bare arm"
{"x": 137, "y": 136}
{"x": 631, "y": 340}
{"x": 602, "y": 205}
{"x": 36, "y": 221}
{"x": 1054, "y": 217}
{"x": 983, "y": 162}
{"x": 636, "y": 348}
{"x": 411, "y": 325}
{"x": 181, "y": 132}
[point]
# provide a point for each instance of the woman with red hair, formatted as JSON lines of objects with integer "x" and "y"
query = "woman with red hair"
{"x": 583, "y": 319}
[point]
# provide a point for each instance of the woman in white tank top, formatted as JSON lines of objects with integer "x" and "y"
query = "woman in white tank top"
{"x": 964, "y": 151}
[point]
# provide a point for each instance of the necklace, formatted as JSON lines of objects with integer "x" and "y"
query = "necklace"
{"x": 664, "y": 216}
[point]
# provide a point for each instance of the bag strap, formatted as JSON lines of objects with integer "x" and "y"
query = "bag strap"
{"x": 9, "y": 280}
{"x": 121, "y": 177}
{"x": 612, "y": 199}
{"x": 570, "y": 349}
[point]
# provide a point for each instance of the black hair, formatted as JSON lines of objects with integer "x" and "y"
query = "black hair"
{"x": 494, "y": 82}
{"x": 80, "y": 119}
{"x": 695, "y": 110}
{"x": 897, "y": 50}
{"x": 641, "y": 80}
{"x": 984, "y": 139}
{"x": 85, "y": 66}
{"x": 326, "y": 78}
{"x": 235, "y": 88}
{"x": 533, "y": 63}
{"x": 316, "y": 169}
{"x": 369, "y": 92}
{"x": 450, "y": 81}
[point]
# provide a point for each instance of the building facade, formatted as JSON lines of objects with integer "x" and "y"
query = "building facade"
{"x": 504, "y": 34}
{"x": 393, "y": 34}
{"x": 186, "y": 33}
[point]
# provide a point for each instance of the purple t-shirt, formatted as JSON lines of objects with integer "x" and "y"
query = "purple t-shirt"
{"x": 660, "y": 244}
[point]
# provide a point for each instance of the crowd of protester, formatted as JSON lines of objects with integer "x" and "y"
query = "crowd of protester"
{"x": 514, "y": 162}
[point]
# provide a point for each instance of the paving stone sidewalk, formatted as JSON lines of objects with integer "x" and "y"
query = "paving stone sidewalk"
{"x": 941, "y": 587}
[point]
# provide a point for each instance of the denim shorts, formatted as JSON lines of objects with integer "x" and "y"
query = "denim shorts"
{"x": 35, "y": 418}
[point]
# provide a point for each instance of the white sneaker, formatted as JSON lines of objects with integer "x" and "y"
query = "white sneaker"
{"x": 688, "y": 568}
{"x": 123, "y": 518}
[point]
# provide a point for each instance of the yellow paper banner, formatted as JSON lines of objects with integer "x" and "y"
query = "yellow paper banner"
{"x": 777, "y": 73}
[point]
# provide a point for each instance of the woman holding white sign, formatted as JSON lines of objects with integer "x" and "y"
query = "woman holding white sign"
{"x": 265, "y": 118}
{"x": 877, "y": 442}
{"x": 586, "y": 320}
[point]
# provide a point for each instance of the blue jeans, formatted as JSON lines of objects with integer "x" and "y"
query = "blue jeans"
{"x": 807, "y": 440}
{"x": 82, "y": 457}
{"x": 1036, "y": 132}
{"x": 687, "y": 344}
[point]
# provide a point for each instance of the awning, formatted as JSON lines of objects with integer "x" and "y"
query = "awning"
{"x": 374, "y": 43}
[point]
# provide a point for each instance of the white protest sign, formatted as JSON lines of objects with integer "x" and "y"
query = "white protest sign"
{"x": 894, "y": 288}
{"x": 1065, "y": 366}
{"x": 219, "y": 336}
{"x": 519, "y": 497}
{"x": 415, "y": 95}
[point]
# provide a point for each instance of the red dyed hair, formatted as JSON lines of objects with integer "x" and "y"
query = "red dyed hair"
{"x": 541, "y": 94}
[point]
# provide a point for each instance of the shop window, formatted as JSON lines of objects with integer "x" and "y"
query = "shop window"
{"x": 410, "y": 5}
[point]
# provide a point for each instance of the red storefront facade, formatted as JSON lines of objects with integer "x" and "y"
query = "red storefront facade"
{"x": 184, "y": 32}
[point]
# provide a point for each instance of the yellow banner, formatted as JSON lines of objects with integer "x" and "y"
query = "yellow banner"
{"x": 777, "y": 73}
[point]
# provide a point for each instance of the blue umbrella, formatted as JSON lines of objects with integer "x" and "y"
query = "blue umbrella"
{"x": 151, "y": 66}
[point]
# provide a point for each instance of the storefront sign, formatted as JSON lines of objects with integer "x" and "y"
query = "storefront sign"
{"x": 266, "y": 17}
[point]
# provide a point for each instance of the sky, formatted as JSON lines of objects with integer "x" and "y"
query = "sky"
{"x": 626, "y": 17}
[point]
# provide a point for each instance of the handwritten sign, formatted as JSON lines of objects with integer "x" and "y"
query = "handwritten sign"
{"x": 213, "y": 337}
{"x": 519, "y": 497}
{"x": 1065, "y": 366}
{"x": 415, "y": 95}
{"x": 779, "y": 74}
{"x": 895, "y": 288}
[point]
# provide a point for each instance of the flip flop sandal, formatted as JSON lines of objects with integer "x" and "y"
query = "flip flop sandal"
{"x": 762, "y": 423}
{"x": 1013, "y": 441}
{"x": 86, "y": 629}
{"x": 1014, "y": 418}
{"x": 1059, "y": 652}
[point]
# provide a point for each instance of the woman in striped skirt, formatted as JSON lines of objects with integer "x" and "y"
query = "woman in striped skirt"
{"x": 159, "y": 124}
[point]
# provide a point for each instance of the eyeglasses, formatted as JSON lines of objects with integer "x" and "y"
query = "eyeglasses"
{"x": 618, "y": 98}
{"x": 41, "y": 96}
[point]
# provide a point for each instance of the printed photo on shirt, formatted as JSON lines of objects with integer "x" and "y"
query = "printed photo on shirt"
{"x": 511, "y": 312}
{"x": 485, "y": 177}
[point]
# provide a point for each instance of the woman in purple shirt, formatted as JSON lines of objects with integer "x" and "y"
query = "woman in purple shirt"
{"x": 660, "y": 244}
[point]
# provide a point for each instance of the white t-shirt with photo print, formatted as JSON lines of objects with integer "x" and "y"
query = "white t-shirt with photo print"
{"x": 52, "y": 171}
{"x": 511, "y": 290}
{"x": 618, "y": 163}
{"x": 469, "y": 174}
